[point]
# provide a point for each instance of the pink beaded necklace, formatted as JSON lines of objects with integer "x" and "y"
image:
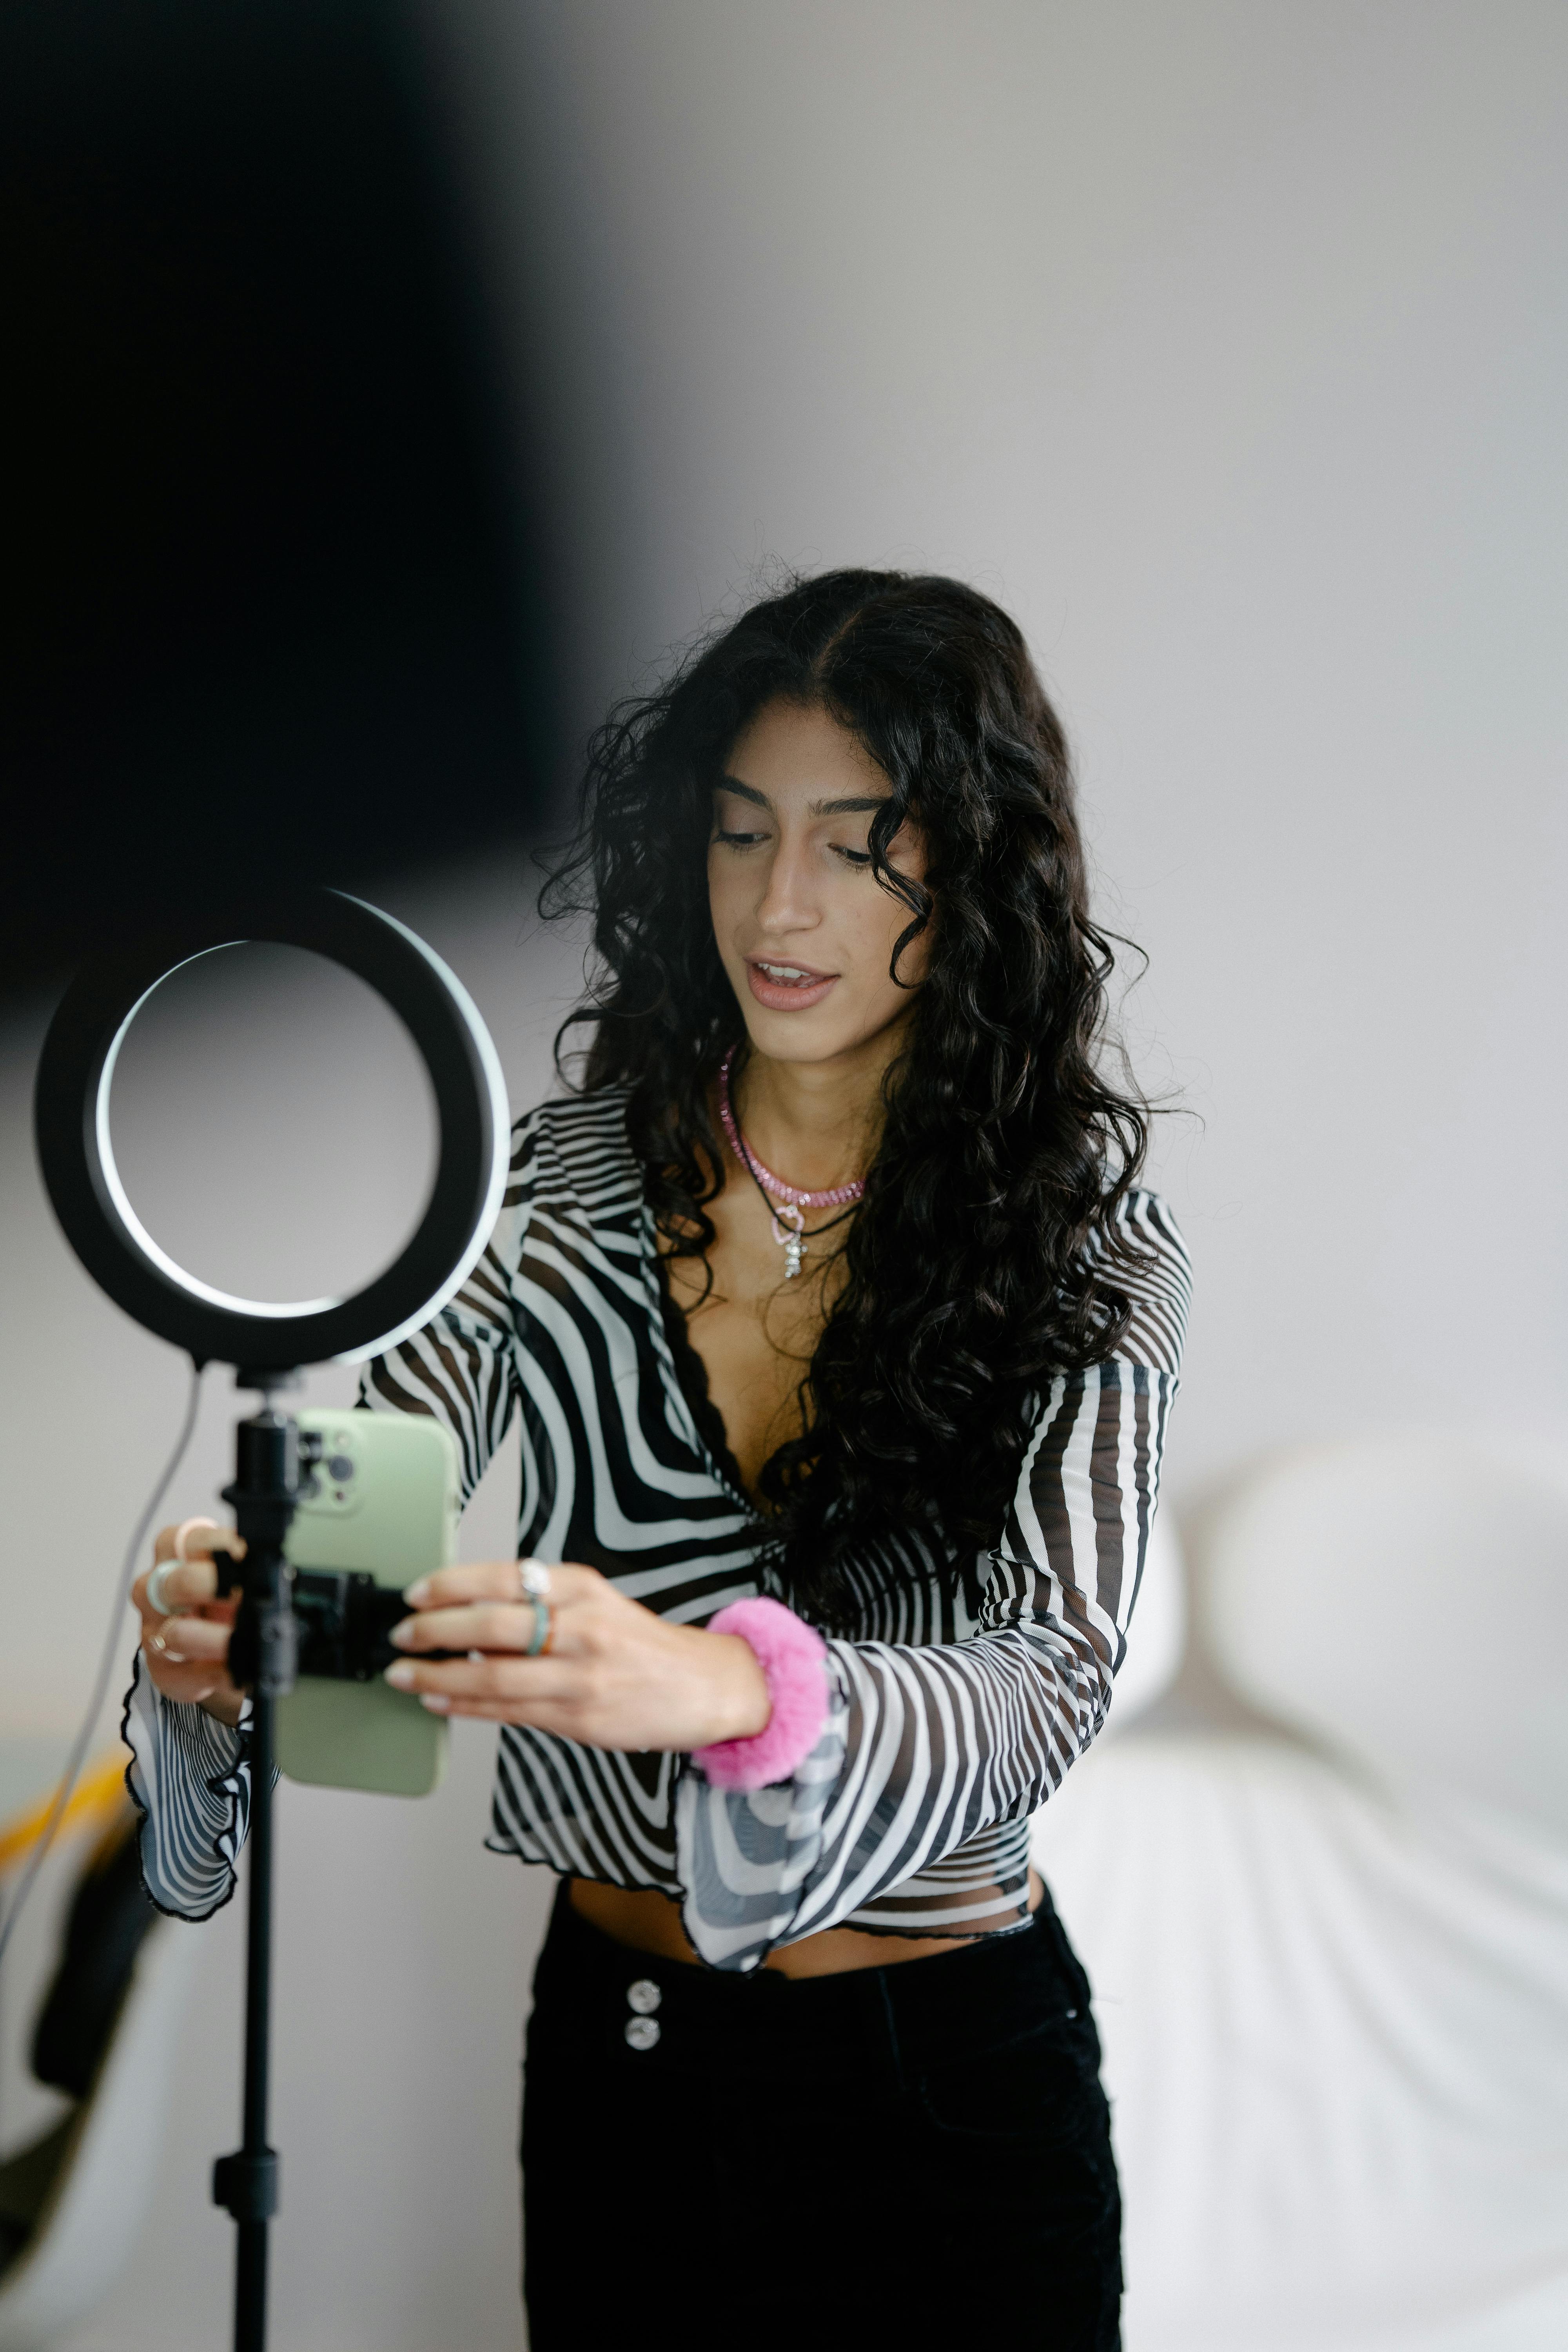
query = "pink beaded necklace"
{"x": 787, "y": 1202}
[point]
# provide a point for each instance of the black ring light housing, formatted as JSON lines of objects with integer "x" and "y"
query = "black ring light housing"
{"x": 71, "y": 1123}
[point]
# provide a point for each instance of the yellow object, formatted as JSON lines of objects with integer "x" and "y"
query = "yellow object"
{"x": 97, "y": 1797}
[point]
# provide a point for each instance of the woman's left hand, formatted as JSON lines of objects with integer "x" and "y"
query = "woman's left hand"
{"x": 616, "y": 1676}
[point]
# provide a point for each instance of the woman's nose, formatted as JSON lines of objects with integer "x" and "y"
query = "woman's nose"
{"x": 788, "y": 901}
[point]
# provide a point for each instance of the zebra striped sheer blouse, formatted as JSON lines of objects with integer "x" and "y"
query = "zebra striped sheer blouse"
{"x": 947, "y": 1726}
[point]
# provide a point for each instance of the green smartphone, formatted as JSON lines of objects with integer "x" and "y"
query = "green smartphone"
{"x": 386, "y": 1505}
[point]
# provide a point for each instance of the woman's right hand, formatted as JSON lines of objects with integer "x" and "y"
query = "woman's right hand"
{"x": 187, "y": 1653}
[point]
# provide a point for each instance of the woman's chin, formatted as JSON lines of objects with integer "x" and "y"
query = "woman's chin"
{"x": 811, "y": 1036}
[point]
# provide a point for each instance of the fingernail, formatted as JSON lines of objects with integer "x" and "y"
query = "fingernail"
{"x": 402, "y": 1636}
{"x": 418, "y": 1593}
{"x": 436, "y": 1703}
{"x": 401, "y": 1675}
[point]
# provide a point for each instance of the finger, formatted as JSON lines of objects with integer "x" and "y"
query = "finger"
{"x": 494, "y": 1579}
{"x": 187, "y": 1639}
{"x": 186, "y": 1685}
{"x": 189, "y": 1686}
{"x": 457, "y": 1588}
{"x": 491, "y": 1625}
{"x": 202, "y": 1541}
{"x": 480, "y": 1710}
{"x": 183, "y": 1586}
{"x": 498, "y": 1680}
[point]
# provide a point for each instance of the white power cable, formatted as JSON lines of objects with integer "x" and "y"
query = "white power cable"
{"x": 78, "y": 1756}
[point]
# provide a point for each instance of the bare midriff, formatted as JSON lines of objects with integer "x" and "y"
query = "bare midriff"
{"x": 647, "y": 1921}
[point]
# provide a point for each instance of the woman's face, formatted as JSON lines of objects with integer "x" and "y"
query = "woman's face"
{"x": 804, "y": 929}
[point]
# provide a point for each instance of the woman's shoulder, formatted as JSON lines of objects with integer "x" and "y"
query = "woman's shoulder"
{"x": 573, "y": 1151}
{"x": 1141, "y": 1249}
{"x": 575, "y": 1125}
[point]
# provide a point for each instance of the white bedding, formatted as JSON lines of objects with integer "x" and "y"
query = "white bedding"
{"x": 1333, "y": 1985}
{"x": 1336, "y": 2042}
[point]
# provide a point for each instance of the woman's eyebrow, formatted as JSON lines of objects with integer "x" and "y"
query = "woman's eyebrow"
{"x": 853, "y": 807}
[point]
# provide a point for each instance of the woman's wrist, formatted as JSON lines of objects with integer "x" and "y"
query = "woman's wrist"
{"x": 744, "y": 1704}
{"x": 791, "y": 1658}
{"x": 224, "y": 1707}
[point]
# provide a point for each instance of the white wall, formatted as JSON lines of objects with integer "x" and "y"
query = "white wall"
{"x": 1222, "y": 343}
{"x": 403, "y": 1949}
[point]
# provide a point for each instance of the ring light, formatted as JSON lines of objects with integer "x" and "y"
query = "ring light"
{"x": 71, "y": 1124}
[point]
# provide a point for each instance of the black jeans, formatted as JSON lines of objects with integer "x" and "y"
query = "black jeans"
{"x": 893, "y": 2158}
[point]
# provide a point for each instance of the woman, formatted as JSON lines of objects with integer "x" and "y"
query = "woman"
{"x": 842, "y": 1342}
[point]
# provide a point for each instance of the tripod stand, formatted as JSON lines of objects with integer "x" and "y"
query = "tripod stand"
{"x": 270, "y": 1455}
{"x": 71, "y": 1107}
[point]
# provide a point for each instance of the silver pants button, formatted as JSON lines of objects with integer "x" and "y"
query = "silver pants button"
{"x": 642, "y": 2032}
{"x": 644, "y": 1996}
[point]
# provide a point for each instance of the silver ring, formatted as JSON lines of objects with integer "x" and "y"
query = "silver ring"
{"x": 534, "y": 1579}
{"x": 156, "y": 1596}
{"x": 539, "y": 1640}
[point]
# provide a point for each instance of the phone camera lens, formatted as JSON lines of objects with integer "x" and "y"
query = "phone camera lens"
{"x": 340, "y": 1469}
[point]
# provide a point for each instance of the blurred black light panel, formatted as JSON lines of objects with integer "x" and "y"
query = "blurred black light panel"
{"x": 273, "y": 571}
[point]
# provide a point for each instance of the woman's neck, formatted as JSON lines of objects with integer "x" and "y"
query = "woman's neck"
{"x": 817, "y": 1124}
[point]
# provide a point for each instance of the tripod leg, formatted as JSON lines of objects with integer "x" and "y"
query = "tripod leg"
{"x": 247, "y": 2183}
{"x": 250, "y": 2287}
{"x": 266, "y": 1485}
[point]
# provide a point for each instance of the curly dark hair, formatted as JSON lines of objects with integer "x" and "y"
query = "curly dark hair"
{"x": 968, "y": 1279}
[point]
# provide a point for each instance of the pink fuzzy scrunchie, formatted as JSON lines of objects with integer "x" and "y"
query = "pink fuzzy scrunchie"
{"x": 791, "y": 1657}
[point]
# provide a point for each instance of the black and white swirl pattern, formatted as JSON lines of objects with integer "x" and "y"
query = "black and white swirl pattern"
{"x": 947, "y": 1726}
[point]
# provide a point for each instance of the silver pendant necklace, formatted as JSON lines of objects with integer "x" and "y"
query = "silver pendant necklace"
{"x": 786, "y": 1203}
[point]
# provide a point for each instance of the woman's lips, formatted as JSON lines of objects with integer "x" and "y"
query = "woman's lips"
{"x": 781, "y": 993}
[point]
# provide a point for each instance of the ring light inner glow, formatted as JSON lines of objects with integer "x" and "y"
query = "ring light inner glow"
{"x": 121, "y": 1198}
{"x": 308, "y": 1140}
{"x": 432, "y": 1015}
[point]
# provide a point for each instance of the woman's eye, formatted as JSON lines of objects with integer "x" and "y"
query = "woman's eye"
{"x": 852, "y": 856}
{"x": 739, "y": 840}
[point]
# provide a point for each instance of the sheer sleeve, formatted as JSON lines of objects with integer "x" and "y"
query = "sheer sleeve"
{"x": 462, "y": 1367}
{"x": 190, "y": 1775}
{"x": 926, "y": 1746}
